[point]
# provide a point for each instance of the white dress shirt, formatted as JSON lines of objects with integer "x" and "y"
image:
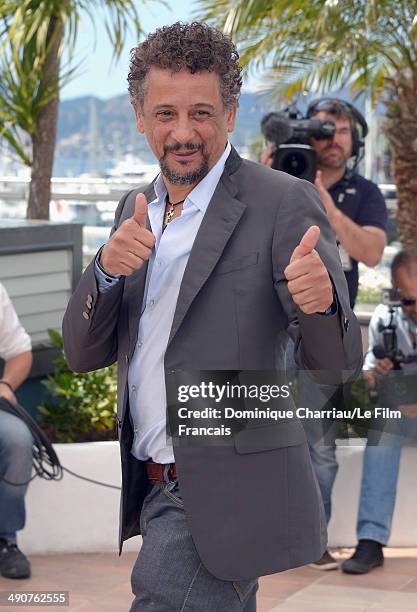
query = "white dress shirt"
{"x": 13, "y": 338}
{"x": 146, "y": 375}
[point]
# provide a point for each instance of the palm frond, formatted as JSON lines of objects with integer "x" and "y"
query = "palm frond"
{"x": 33, "y": 35}
{"x": 321, "y": 43}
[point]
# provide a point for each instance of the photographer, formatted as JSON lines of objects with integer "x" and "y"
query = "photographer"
{"x": 382, "y": 455}
{"x": 355, "y": 206}
{"x": 404, "y": 279}
{"x": 15, "y": 440}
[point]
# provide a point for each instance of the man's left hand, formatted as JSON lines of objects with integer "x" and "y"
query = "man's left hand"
{"x": 325, "y": 196}
{"x": 308, "y": 280}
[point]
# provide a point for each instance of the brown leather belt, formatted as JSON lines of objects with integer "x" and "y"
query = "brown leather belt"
{"x": 156, "y": 471}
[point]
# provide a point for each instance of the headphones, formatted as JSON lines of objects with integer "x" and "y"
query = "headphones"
{"x": 358, "y": 121}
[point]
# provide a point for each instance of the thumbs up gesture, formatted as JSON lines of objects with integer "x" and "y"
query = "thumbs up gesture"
{"x": 130, "y": 245}
{"x": 308, "y": 280}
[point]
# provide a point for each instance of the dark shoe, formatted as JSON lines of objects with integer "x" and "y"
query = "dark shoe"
{"x": 326, "y": 563}
{"x": 368, "y": 554}
{"x": 13, "y": 563}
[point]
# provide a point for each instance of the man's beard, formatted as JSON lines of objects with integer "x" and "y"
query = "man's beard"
{"x": 326, "y": 162}
{"x": 177, "y": 177}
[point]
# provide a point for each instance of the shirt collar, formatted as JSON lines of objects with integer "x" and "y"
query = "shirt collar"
{"x": 160, "y": 189}
{"x": 202, "y": 193}
{"x": 347, "y": 180}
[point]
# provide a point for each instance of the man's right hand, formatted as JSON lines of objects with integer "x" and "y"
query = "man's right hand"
{"x": 267, "y": 156}
{"x": 130, "y": 245}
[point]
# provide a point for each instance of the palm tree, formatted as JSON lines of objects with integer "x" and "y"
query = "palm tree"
{"x": 323, "y": 45}
{"x": 32, "y": 40}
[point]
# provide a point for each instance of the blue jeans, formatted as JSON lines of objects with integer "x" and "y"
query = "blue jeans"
{"x": 378, "y": 492}
{"x": 381, "y": 463}
{"x": 321, "y": 435}
{"x": 15, "y": 466}
{"x": 380, "y": 468}
{"x": 168, "y": 575}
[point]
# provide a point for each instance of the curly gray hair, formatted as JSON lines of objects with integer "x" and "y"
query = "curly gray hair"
{"x": 194, "y": 46}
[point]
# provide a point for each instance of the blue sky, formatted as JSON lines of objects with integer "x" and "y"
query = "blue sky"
{"x": 98, "y": 75}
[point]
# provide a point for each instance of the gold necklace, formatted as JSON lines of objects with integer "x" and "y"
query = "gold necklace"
{"x": 169, "y": 213}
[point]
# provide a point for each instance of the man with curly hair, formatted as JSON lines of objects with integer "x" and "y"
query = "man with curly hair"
{"x": 209, "y": 268}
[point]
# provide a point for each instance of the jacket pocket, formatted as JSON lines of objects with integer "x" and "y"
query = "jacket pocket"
{"x": 260, "y": 438}
{"x": 236, "y": 263}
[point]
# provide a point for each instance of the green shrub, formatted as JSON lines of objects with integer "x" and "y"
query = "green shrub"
{"x": 368, "y": 295}
{"x": 83, "y": 406}
{"x": 355, "y": 395}
{"x": 358, "y": 397}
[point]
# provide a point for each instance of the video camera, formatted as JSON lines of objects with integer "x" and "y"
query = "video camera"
{"x": 389, "y": 348}
{"x": 290, "y": 135}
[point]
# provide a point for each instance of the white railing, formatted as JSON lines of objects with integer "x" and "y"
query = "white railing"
{"x": 91, "y": 189}
{"x": 91, "y": 201}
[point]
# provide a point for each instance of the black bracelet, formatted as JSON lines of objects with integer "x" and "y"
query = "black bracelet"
{"x": 4, "y": 382}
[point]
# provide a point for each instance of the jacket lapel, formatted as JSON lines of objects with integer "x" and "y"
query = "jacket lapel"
{"x": 219, "y": 222}
{"x": 135, "y": 287}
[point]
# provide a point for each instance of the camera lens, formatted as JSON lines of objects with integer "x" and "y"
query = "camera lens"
{"x": 294, "y": 163}
{"x": 296, "y": 159}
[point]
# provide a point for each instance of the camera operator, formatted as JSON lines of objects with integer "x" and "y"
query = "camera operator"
{"x": 382, "y": 454}
{"x": 355, "y": 206}
{"x": 15, "y": 440}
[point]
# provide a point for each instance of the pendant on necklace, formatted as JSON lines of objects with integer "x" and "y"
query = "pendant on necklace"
{"x": 168, "y": 215}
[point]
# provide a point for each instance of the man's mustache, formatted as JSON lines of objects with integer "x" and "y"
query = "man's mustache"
{"x": 332, "y": 146}
{"x": 189, "y": 146}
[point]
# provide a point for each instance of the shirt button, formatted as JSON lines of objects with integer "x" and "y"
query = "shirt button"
{"x": 133, "y": 388}
{"x": 140, "y": 344}
{"x": 151, "y": 302}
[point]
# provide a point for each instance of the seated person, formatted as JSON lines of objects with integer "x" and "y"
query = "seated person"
{"x": 15, "y": 440}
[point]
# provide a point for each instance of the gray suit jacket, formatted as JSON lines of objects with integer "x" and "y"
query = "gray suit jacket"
{"x": 253, "y": 507}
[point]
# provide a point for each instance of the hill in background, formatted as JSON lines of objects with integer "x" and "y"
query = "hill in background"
{"x": 94, "y": 134}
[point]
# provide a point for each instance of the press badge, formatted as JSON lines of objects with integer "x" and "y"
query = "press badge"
{"x": 345, "y": 259}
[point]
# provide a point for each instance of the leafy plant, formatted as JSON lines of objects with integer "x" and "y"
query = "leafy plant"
{"x": 354, "y": 395}
{"x": 359, "y": 397}
{"x": 83, "y": 406}
{"x": 369, "y": 295}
